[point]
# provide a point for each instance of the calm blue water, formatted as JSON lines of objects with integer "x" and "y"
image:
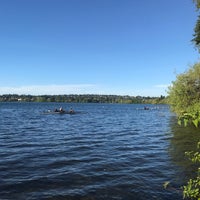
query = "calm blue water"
{"x": 108, "y": 151}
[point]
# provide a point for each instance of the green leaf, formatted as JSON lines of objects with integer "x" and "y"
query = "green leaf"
{"x": 185, "y": 122}
{"x": 165, "y": 185}
{"x": 196, "y": 122}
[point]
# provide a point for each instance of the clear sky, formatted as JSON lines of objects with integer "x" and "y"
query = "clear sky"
{"x": 123, "y": 47}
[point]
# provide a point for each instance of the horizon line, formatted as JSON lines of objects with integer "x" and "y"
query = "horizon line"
{"x": 89, "y": 94}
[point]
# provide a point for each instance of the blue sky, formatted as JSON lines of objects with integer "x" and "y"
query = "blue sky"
{"x": 123, "y": 47}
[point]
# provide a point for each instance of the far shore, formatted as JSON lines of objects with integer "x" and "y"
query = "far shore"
{"x": 84, "y": 98}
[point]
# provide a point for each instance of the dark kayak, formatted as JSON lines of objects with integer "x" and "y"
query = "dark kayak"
{"x": 60, "y": 112}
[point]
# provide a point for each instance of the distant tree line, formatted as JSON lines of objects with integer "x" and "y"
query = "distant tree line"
{"x": 86, "y": 98}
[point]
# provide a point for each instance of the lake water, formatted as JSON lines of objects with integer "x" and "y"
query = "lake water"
{"x": 107, "y": 151}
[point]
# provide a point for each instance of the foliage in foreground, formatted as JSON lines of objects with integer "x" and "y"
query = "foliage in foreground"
{"x": 192, "y": 189}
{"x": 184, "y": 96}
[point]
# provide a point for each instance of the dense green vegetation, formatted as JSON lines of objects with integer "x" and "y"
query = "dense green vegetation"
{"x": 184, "y": 95}
{"x": 196, "y": 38}
{"x": 83, "y": 99}
{"x": 184, "y": 98}
{"x": 192, "y": 189}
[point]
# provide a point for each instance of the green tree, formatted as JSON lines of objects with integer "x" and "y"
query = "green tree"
{"x": 196, "y": 35}
{"x": 197, "y": 2}
{"x": 184, "y": 95}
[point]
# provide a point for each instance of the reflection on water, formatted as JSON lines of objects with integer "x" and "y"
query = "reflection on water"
{"x": 183, "y": 139}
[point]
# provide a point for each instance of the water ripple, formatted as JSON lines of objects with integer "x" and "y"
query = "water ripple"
{"x": 109, "y": 152}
